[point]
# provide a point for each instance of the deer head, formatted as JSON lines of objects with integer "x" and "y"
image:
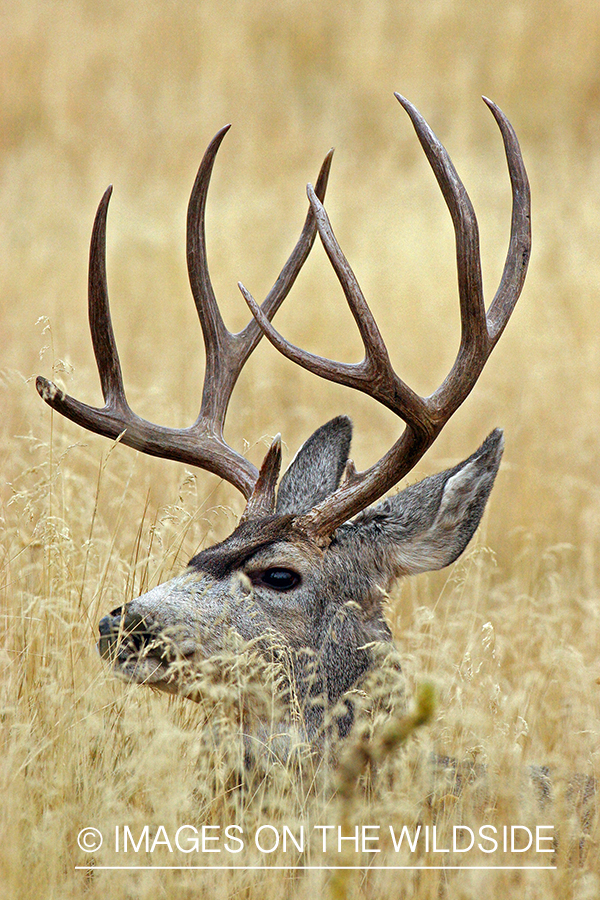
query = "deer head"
{"x": 304, "y": 573}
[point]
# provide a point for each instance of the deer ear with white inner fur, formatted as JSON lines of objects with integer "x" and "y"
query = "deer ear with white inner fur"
{"x": 429, "y": 524}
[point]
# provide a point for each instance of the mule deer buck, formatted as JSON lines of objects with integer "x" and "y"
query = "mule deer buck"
{"x": 303, "y": 573}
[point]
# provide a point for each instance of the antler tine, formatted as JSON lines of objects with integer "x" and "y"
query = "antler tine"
{"x": 374, "y": 375}
{"x": 470, "y": 286}
{"x": 103, "y": 337}
{"x": 201, "y": 444}
{"x": 226, "y": 353}
{"x": 349, "y": 374}
{"x": 213, "y": 328}
{"x": 116, "y": 417}
{"x": 296, "y": 260}
{"x": 424, "y": 417}
{"x": 375, "y": 349}
{"x": 519, "y": 250}
{"x": 481, "y": 331}
{"x": 103, "y": 341}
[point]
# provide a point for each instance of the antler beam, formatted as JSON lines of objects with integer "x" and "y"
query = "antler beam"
{"x": 201, "y": 444}
{"x": 424, "y": 416}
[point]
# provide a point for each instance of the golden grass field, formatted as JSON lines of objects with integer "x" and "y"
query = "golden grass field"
{"x": 131, "y": 93}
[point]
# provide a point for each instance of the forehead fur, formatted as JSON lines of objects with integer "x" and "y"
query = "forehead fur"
{"x": 246, "y": 541}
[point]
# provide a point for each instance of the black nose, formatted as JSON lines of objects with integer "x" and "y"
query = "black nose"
{"x": 109, "y": 628}
{"x": 123, "y": 635}
{"x": 110, "y": 624}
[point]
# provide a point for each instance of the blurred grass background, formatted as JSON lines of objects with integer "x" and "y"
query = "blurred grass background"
{"x": 130, "y": 94}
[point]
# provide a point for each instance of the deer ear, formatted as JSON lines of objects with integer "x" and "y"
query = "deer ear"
{"x": 428, "y": 525}
{"x": 317, "y": 469}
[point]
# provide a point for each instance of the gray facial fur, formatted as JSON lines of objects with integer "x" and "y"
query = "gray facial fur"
{"x": 329, "y": 614}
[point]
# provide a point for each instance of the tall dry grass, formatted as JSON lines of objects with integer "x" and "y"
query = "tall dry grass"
{"x": 130, "y": 94}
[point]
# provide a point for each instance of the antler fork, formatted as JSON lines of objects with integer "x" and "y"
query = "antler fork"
{"x": 202, "y": 444}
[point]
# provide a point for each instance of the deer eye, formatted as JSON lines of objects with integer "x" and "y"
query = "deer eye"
{"x": 280, "y": 579}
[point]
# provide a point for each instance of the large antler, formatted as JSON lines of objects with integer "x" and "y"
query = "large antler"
{"x": 202, "y": 444}
{"x": 424, "y": 416}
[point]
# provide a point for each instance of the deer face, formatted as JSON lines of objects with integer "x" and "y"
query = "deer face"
{"x": 256, "y": 586}
{"x": 270, "y": 585}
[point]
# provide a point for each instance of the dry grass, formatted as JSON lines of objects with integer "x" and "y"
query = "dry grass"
{"x": 131, "y": 93}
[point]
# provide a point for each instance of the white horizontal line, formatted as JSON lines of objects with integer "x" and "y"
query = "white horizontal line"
{"x": 317, "y": 868}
